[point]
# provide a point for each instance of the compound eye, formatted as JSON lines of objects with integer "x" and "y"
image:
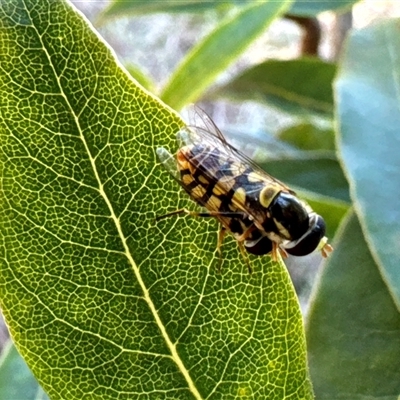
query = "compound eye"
{"x": 310, "y": 241}
{"x": 258, "y": 247}
{"x": 290, "y": 213}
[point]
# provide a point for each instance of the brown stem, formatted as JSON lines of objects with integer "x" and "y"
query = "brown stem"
{"x": 311, "y": 36}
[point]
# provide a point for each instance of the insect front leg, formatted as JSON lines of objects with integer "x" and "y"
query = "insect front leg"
{"x": 276, "y": 249}
{"x": 221, "y": 236}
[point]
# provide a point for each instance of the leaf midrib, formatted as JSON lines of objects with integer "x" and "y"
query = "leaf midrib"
{"x": 174, "y": 354}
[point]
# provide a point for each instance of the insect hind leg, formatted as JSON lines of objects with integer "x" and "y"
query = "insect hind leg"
{"x": 221, "y": 233}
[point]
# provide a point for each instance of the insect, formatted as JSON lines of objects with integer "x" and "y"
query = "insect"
{"x": 262, "y": 213}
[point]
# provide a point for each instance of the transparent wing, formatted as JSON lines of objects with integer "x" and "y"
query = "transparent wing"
{"x": 169, "y": 162}
{"x": 199, "y": 119}
{"x": 205, "y": 132}
{"x": 234, "y": 178}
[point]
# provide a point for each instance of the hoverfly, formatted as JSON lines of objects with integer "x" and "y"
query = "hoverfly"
{"x": 262, "y": 213}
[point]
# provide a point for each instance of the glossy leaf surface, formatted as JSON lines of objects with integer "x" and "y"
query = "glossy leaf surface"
{"x": 353, "y": 329}
{"x": 367, "y": 91}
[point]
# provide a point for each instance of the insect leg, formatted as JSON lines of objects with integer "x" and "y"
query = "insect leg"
{"x": 184, "y": 211}
{"x": 245, "y": 234}
{"x": 221, "y": 235}
{"x": 200, "y": 214}
{"x": 245, "y": 258}
{"x": 326, "y": 249}
{"x": 276, "y": 249}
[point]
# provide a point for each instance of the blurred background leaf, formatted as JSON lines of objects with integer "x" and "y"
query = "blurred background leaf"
{"x": 309, "y": 136}
{"x": 311, "y": 8}
{"x": 16, "y": 380}
{"x": 140, "y": 7}
{"x": 296, "y": 86}
{"x": 367, "y": 92}
{"x": 353, "y": 327}
{"x": 140, "y": 77}
{"x": 218, "y": 50}
{"x": 322, "y": 175}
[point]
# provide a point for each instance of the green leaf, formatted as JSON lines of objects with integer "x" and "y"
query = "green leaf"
{"x": 308, "y": 136}
{"x": 302, "y": 86}
{"x": 102, "y": 301}
{"x": 353, "y": 329}
{"x": 141, "y": 77}
{"x": 309, "y": 8}
{"x": 16, "y": 379}
{"x": 216, "y": 51}
{"x": 320, "y": 174}
{"x": 367, "y": 92}
{"x": 140, "y": 7}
